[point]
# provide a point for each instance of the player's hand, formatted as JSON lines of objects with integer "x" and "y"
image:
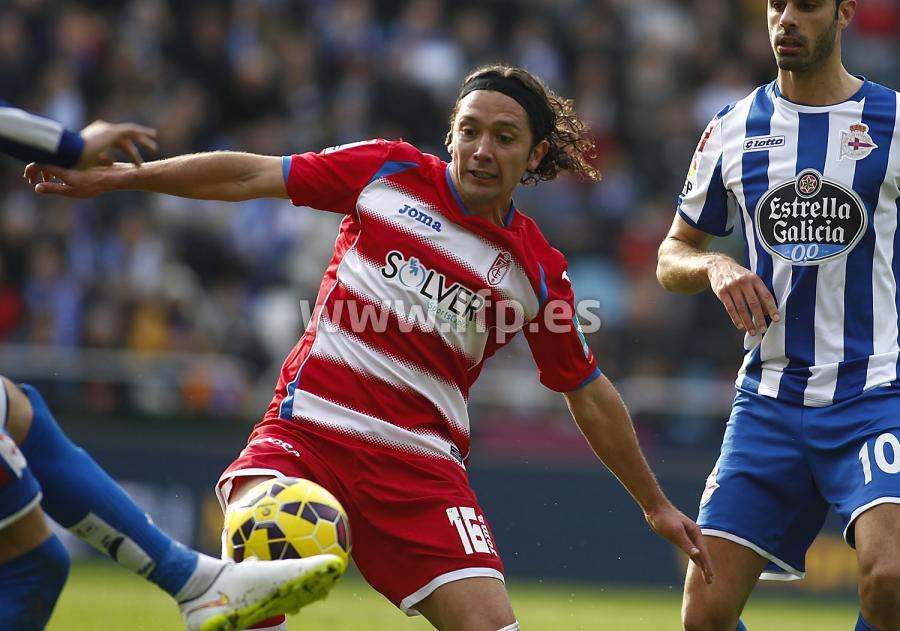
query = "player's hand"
{"x": 100, "y": 138}
{"x": 54, "y": 180}
{"x": 745, "y": 296}
{"x": 677, "y": 528}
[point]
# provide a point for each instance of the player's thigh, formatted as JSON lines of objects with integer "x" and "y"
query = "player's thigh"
{"x": 718, "y": 605}
{"x": 273, "y": 451}
{"x": 761, "y": 493}
{"x": 472, "y": 604}
{"x": 855, "y": 453}
{"x": 417, "y": 526}
{"x": 24, "y": 534}
{"x": 19, "y": 411}
{"x": 242, "y": 486}
{"x": 22, "y": 522}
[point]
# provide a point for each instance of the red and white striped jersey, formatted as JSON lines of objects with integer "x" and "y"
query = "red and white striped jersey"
{"x": 419, "y": 293}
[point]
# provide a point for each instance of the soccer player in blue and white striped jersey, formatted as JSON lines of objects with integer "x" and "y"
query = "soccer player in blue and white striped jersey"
{"x": 807, "y": 168}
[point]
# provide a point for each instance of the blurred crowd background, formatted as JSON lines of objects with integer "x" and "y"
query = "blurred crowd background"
{"x": 142, "y": 304}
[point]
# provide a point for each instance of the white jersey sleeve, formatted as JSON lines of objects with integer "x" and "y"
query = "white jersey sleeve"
{"x": 33, "y": 138}
{"x": 704, "y": 202}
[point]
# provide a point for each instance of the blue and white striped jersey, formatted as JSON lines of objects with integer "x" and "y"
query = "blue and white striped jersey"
{"x": 816, "y": 193}
{"x": 33, "y": 138}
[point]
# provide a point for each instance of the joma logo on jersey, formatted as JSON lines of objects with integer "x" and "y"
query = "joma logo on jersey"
{"x": 422, "y": 217}
{"x": 761, "y": 143}
{"x": 810, "y": 219}
{"x": 450, "y": 301}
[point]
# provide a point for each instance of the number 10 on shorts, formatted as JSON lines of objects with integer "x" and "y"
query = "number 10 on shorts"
{"x": 472, "y": 530}
{"x": 881, "y": 456}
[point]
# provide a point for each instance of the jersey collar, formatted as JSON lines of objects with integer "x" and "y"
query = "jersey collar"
{"x": 857, "y": 96}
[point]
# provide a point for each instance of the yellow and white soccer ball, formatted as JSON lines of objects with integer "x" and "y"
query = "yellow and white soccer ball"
{"x": 287, "y": 518}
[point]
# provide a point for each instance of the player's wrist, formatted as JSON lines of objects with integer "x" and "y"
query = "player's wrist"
{"x": 712, "y": 262}
{"x": 120, "y": 176}
{"x": 656, "y": 504}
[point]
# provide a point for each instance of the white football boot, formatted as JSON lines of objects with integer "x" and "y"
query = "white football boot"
{"x": 248, "y": 592}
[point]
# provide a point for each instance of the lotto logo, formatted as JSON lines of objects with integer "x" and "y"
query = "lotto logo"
{"x": 761, "y": 143}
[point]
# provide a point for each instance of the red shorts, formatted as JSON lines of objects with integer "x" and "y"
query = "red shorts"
{"x": 415, "y": 522}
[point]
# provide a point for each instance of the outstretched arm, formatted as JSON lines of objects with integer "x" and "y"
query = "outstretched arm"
{"x": 685, "y": 266}
{"x": 222, "y": 175}
{"x": 601, "y": 415}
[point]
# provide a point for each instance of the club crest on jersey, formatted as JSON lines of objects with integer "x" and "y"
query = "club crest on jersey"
{"x": 810, "y": 219}
{"x": 856, "y": 143}
{"x": 451, "y": 302}
{"x": 499, "y": 268}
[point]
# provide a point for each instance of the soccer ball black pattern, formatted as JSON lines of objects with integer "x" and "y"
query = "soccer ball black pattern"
{"x": 287, "y": 518}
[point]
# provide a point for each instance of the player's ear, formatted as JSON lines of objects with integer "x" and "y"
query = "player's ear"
{"x": 448, "y": 142}
{"x": 537, "y": 154}
{"x": 845, "y": 11}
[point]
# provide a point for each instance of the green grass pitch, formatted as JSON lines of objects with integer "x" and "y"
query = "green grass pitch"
{"x": 103, "y": 597}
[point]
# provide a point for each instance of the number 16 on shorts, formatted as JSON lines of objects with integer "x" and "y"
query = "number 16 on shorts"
{"x": 881, "y": 453}
{"x": 472, "y": 529}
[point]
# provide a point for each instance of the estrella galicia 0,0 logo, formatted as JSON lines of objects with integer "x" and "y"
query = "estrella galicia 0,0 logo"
{"x": 809, "y": 219}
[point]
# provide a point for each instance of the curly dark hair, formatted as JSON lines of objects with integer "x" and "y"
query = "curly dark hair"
{"x": 571, "y": 148}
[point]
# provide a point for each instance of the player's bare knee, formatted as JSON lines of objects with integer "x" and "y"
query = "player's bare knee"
{"x": 702, "y": 624}
{"x": 497, "y": 616}
{"x": 879, "y": 585}
{"x": 482, "y": 621}
{"x": 696, "y": 616}
{"x": 19, "y": 415}
{"x": 450, "y": 607}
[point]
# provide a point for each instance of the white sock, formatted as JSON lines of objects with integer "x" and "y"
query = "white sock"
{"x": 207, "y": 571}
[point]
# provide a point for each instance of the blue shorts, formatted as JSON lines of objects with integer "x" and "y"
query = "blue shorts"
{"x": 782, "y": 465}
{"x": 19, "y": 490}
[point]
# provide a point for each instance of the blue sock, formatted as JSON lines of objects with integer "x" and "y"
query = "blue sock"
{"x": 82, "y": 497}
{"x": 741, "y": 626}
{"x": 30, "y": 585}
{"x": 862, "y": 625}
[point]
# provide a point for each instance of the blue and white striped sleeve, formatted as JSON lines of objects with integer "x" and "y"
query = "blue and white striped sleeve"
{"x": 33, "y": 138}
{"x": 703, "y": 202}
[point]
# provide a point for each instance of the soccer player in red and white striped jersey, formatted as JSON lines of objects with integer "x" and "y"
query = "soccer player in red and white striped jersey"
{"x": 434, "y": 269}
